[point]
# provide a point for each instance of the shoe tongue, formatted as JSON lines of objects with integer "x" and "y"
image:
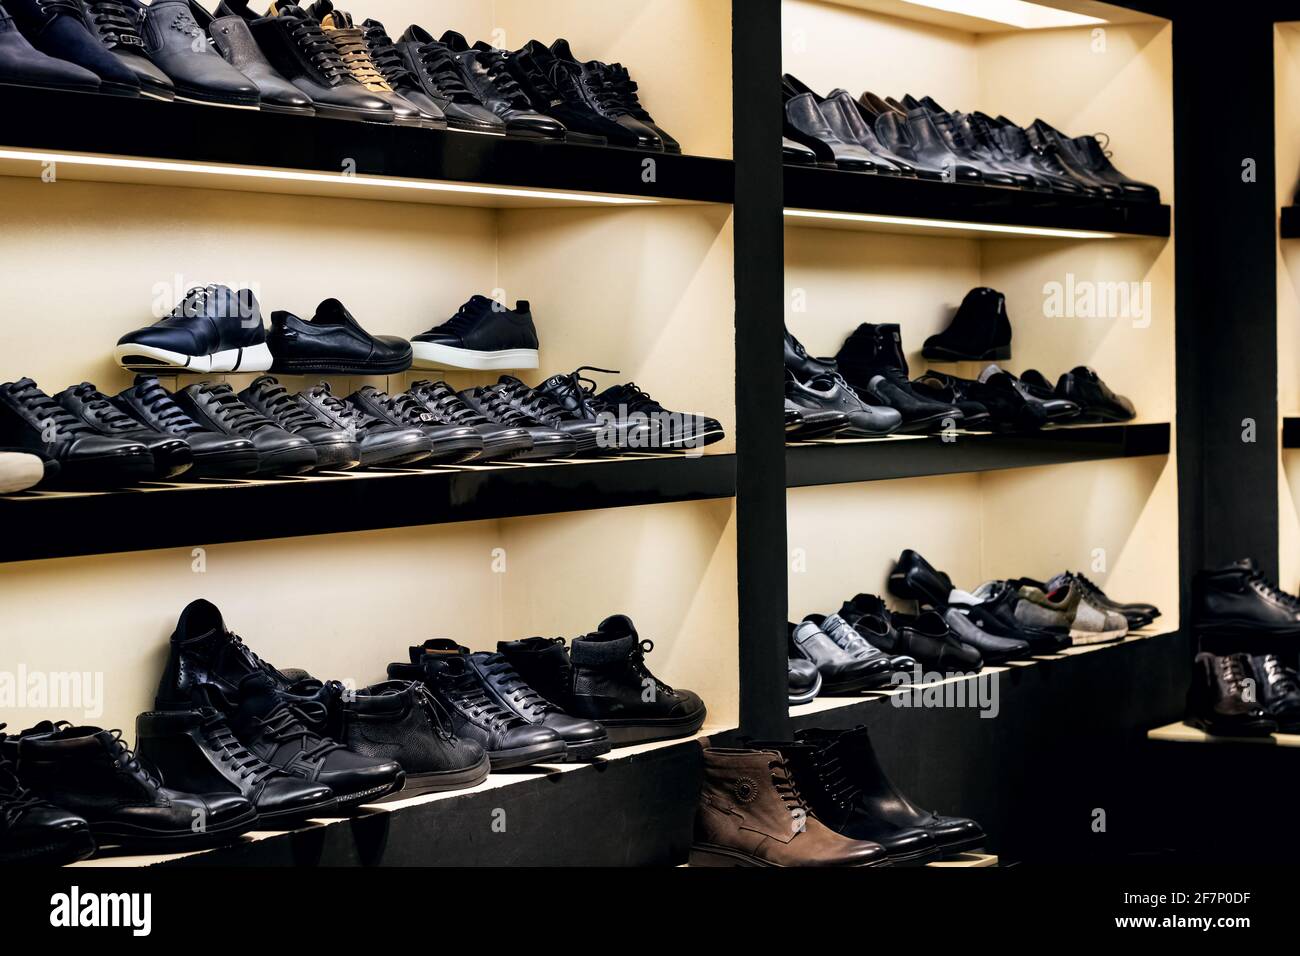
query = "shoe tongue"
{"x": 281, "y": 9}
{"x": 258, "y": 694}
{"x": 456, "y": 42}
{"x": 338, "y": 20}
{"x": 437, "y": 648}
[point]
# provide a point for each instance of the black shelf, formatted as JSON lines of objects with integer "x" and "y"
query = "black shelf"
{"x": 182, "y": 132}
{"x": 1290, "y": 225}
{"x": 59, "y": 524}
{"x": 831, "y": 461}
{"x": 1291, "y": 433}
{"x": 831, "y": 190}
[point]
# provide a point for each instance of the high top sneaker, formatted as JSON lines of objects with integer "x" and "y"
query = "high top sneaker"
{"x": 350, "y": 42}
{"x": 510, "y": 741}
{"x": 612, "y": 685}
{"x": 980, "y": 331}
{"x": 171, "y": 455}
{"x": 92, "y": 773}
{"x": 872, "y": 362}
{"x": 868, "y": 801}
{"x": 1237, "y": 598}
{"x": 544, "y": 663}
{"x": 1224, "y": 698}
{"x": 33, "y": 830}
{"x": 441, "y": 401}
{"x": 203, "y": 654}
{"x": 751, "y": 813}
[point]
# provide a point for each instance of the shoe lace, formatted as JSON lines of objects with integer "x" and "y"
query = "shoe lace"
{"x": 437, "y": 715}
{"x": 500, "y": 410}
{"x": 320, "y": 50}
{"x": 1103, "y": 142}
{"x": 637, "y": 399}
{"x": 622, "y": 83}
{"x": 352, "y": 47}
{"x": 383, "y": 51}
{"x": 294, "y": 722}
{"x": 469, "y": 695}
{"x": 603, "y": 94}
{"x": 440, "y": 68}
{"x": 127, "y": 759}
{"x": 540, "y": 80}
{"x": 1266, "y": 587}
{"x": 464, "y": 319}
{"x": 160, "y": 404}
{"x": 351, "y": 417}
{"x": 404, "y": 408}
{"x": 1281, "y": 679}
{"x": 444, "y": 404}
{"x": 534, "y": 403}
{"x": 494, "y": 64}
{"x": 636, "y": 659}
{"x": 512, "y": 685}
{"x": 47, "y": 411}
{"x": 230, "y": 751}
{"x": 115, "y": 23}
{"x": 106, "y": 414}
{"x": 15, "y": 800}
{"x": 284, "y": 409}
{"x": 786, "y": 788}
{"x": 234, "y": 412}
{"x": 836, "y": 781}
{"x": 53, "y": 7}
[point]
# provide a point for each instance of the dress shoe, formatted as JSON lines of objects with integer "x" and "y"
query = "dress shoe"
{"x": 992, "y": 608}
{"x": 958, "y": 392}
{"x": 35, "y": 831}
{"x": 1278, "y": 690}
{"x": 554, "y": 88}
{"x": 859, "y": 123}
{"x": 802, "y": 365}
{"x": 20, "y": 470}
{"x": 842, "y": 673}
{"x": 797, "y": 154}
{"x": 332, "y": 342}
{"x": 117, "y": 25}
{"x": 830, "y": 393}
{"x": 752, "y": 813}
{"x": 936, "y": 647}
{"x": 436, "y": 70}
{"x": 1017, "y": 148}
{"x": 1218, "y": 701}
{"x": 171, "y": 453}
{"x": 21, "y": 64}
{"x": 482, "y": 335}
{"x": 1137, "y": 615}
{"x": 213, "y": 454}
{"x": 350, "y": 42}
{"x": 1067, "y": 606}
{"x": 589, "y": 436}
{"x": 931, "y": 148}
{"x": 337, "y": 449}
{"x": 196, "y": 751}
{"x": 215, "y": 406}
{"x": 1014, "y": 406}
{"x": 977, "y": 135}
{"x": 872, "y": 362}
{"x": 803, "y": 681}
{"x": 232, "y": 38}
{"x": 807, "y": 424}
{"x": 916, "y": 579}
{"x": 979, "y": 331}
{"x": 59, "y": 29}
{"x": 620, "y": 82}
{"x": 32, "y": 421}
{"x": 1057, "y": 149}
{"x": 483, "y": 71}
{"x": 846, "y": 126}
{"x": 593, "y": 86}
{"x": 381, "y": 442}
{"x": 212, "y": 329}
{"x": 1237, "y": 598}
{"x": 804, "y": 115}
{"x": 992, "y": 648}
{"x": 855, "y": 645}
{"x": 1090, "y": 153}
{"x": 992, "y": 173}
{"x": 445, "y": 405}
{"x": 451, "y": 443}
{"x": 205, "y": 658}
{"x": 493, "y": 405}
{"x": 1096, "y": 402}
{"x": 388, "y": 61}
{"x": 177, "y": 45}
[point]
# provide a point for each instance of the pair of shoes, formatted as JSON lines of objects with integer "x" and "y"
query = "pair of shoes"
{"x": 1226, "y": 698}
{"x": 820, "y": 403}
{"x": 822, "y": 799}
{"x": 872, "y": 362}
{"x": 846, "y": 663}
{"x": 925, "y": 638}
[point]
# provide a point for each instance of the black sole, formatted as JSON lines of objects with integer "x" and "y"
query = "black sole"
{"x": 1253, "y": 729}
{"x": 442, "y": 781}
{"x": 329, "y": 368}
{"x": 858, "y": 685}
{"x": 106, "y": 472}
{"x": 335, "y": 457}
{"x": 454, "y": 451}
{"x": 504, "y": 450}
{"x": 287, "y": 110}
{"x": 223, "y": 466}
{"x": 624, "y": 733}
{"x": 526, "y": 756}
{"x": 291, "y": 819}
{"x": 351, "y": 802}
{"x": 130, "y": 838}
{"x": 59, "y": 853}
{"x": 283, "y": 463}
{"x": 588, "y": 750}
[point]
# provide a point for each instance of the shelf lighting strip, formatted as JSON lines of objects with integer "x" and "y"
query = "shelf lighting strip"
{"x": 294, "y": 175}
{"x": 916, "y": 223}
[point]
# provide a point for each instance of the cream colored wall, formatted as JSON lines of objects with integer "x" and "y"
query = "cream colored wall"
{"x": 1286, "y": 62}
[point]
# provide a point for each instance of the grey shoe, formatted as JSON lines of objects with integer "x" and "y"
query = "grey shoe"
{"x": 830, "y": 392}
{"x": 1088, "y": 623}
{"x": 841, "y": 674}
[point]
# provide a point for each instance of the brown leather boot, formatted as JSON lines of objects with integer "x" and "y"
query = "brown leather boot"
{"x": 751, "y": 814}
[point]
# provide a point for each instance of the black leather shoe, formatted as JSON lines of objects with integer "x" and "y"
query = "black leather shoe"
{"x": 558, "y": 89}
{"x": 855, "y": 644}
{"x": 451, "y": 443}
{"x": 171, "y": 454}
{"x": 382, "y": 442}
{"x": 215, "y": 406}
{"x": 871, "y": 794}
{"x": 31, "y": 420}
{"x": 1058, "y": 151}
{"x": 593, "y": 86}
{"x": 543, "y": 662}
{"x": 547, "y": 442}
{"x": 21, "y": 64}
{"x": 1089, "y": 152}
{"x": 620, "y": 81}
{"x": 871, "y": 360}
{"x": 803, "y": 114}
{"x": 483, "y": 71}
{"x": 928, "y": 638}
{"x": 196, "y": 751}
{"x": 1017, "y": 148}
{"x": 930, "y": 147}
{"x": 510, "y": 741}
{"x": 350, "y": 42}
{"x": 803, "y": 680}
{"x": 1217, "y": 700}
{"x": 1237, "y": 598}
{"x": 204, "y": 658}
{"x": 854, "y": 124}
{"x": 979, "y": 331}
{"x": 797, "y": 154}
{"x": 436, "y": 69}
{"x": 994, "y": 612}
{"x": 34, "y": 831}
{"x": 1278, "y": 691}
{"x": 1096, "y": 402}
{"x": 589, "y": 435}
{"x": 234, "y": 41}
{"x": 58, "y": 28}
{"x": 117, "y": 24}
{"x": 958, "y": 392}
{"x": 583, "y": 739}
{"x": 830, "y": 393}
{"x": 482, "y": 335}
{"x": 575, "y": 395}
{"x": 388, "y": 61}
{"x": 332, "y": 342}
{"x": 178, "y": 46}
{"x": 213, "y": 454}
{"x": 444, "y": 404}
{"x": 808, "y": 424}
{"x": 842, "y": 674}
{"x": 337, "y": 449}
{"x": 629, "y": 405}
{"x": 90, "y": 772}
{"x": 1015, "y": 406}
{"x": 802, "y": 365}
{"x": 992, "y": 648}
{"x": 916, "y": 579}
{"x": 212, "y": 329}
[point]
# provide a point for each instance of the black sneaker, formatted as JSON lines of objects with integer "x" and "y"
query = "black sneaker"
{"x": 171, "y": 455}
{"x": 337, "y": 449}
{"x": 574, "y": 394}
{"x": 388, "y": 61}
{"x": 350, "y": 42}
{"x": 547, "y": 442}
{"x": 669, "y": 431}
{"x": 31, "y": 420}
{"x": 482, "y": 335}
{"x": 382, "y": 442}
{"x": 333, "y": 343}
{"x": 35, "y": 831}
{"x": 213, "y": 329}
{"x": 872, "y": 362}
{"x": 551, "y": 88}
{"x": 445, "y": 405}
{"x": 483, "y": 71}
{"x": 215, "y": 454}
{"x": 438, "y": 73}
{"x": 1279, "y": 691}
{"x": 588, "y": 434}
{"x": 217, "y": 407}
{"x": 593, "y": 86}
{"x": 618, "y": 77}
{"x": 451, "y": 443}
{"x": 510, "y": 741}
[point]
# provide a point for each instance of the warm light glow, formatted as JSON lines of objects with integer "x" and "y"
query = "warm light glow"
{"x": 949, "y": 224}
{"x": 1015, "y": 13}
{"x": 294, "y": 175}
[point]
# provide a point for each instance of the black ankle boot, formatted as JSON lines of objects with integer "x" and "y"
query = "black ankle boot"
{"x": 979, "y": 331}
{"x": 204, "y": 655}
{"x": 35, "y": 831}
{"x": 1238, "y": 599}
{"x": 1217, "y": 699}
{"x": 544, "y": 663}
{"x": 872, "y": 362}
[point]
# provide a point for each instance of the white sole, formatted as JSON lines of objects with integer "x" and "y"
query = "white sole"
{"x": 1084, "y": 638}
{"x": 433, "y": 356}
{"x": 256, "y": 358}
{"x": 19, "y": 471}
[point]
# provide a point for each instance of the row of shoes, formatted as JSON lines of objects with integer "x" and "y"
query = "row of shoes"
{"x": 1244, "y": 695}
{"x": 821, "y": 799}
{"x": 318, "y": 62}
{"x": 867, "y": 646}
{"x": 235, "y": 744}
{"x": 920, "y": 139}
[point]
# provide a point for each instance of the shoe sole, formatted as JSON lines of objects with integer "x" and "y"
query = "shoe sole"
{"x": 625, "y": 732}
{"x": 429, "y": 355}
{"x": 288, "y": 819}
{"x": 337, "y": 456}
{"x": 509, "y": 448}
{"x": 289, "y": 461}
{"x": 1000, "y": 354}
{"x": 407, "y": 449}
{"x": 223, "y": 465}
{"x": 969, "y": 845}
{"x": 130, "y": 837}
{"x": 1086, "y": 638}
{"x": 1248, "y": 627}
{"x": 1254, "y": 729}
{"x": 587, "y": 750}
{"x": 352, "y": 115}
{"x": 450, "y": 451}
{"x": 685, "y": 444}
{"x": 547, "y": 449}
{"x": 859, "y": 684}
{"x": 349, "y": 802}
{"x": 189, "y": 96}
{"x": 441, "y": 781}
{"x": 704, "y": 854}
{"x": 917, "y": 857}
{"x": 104, "y": 471}
{"x": 60, "y": 853}
{"x": 808, "y": 696}
{"x": 19, "y": 471}
{"x": 552, "y": 752}
{"x": 305, "y": 367}
{"x": 146, "y": 358}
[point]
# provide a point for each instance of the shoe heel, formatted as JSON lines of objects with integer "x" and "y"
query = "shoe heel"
{"x": 899, "y": 587}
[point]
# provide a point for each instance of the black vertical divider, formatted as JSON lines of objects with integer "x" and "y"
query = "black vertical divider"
{"x": 760, "y": 436}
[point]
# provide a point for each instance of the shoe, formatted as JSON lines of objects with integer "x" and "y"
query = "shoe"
{"x": 802, "y": 365}
{"x": 842, "y": 673}
{"x": 979, "y": 331}
{"x": 445, "y": 405}
{"x": 117, "y": 24}
{"x": 992, "y": 172}
{"x": 932, "y": 149}
{"x": 589, "y": 435}
{"x": 482, "y": 335}
{"x": 795, "y": 153}
{"x": 178, "y": 46}
{"x": 443, "y": 666}
{"x": 1218, "y": 702}
{"x": 805, "y": 116}
{"x": 213, "y": 454}
{"x": 332, "y": 342}
{"x": 350, "y": 42}
{"x": 297, "y": 48}
{"x": 1096, "y": 402}
{"x": 1057, "y": 150}
{"x": 21, "y": 64}
{"x": 1067, "y": 607}
{"x": 30, "y": 420}
{"x": 752, "y": 813}
{"x": 544, "y": 665}
{"x": 337, "y": 449}
{"x": 196, "y": 751}
{"x": 216, "y": 407}
{"x": 91, "y": 773}
{"x": 992, "y": 648}
{"x": 592, "y": 84}
{"x": 890, "y": 131}
{"x": 630, "y": 407}
{"x": 992, "y": 608}
{"x": 916, "y": 579}
{"x": 35, "y": 831}
{"x": 625, "y": 88}
{"x": 583, "y": 739}
{"x": 1237, "y": 598}
{"x": 483, "y": 71}
{"x": 872, "y": 362}
{"x": 1016, "y": 148}
{"x": 451, "y": 443}
{"x": 547, "y": 442}
{"x": 438, "y": 73}
{"x": 171, "y": 454}
{"x": 923, "y": 639}
{"x": 1137, "y": 615}
{"x": 854, "y": 124}
{"x": 559, "y": 89}
{"x": 611, "y": 684}
{"x": 871, "y": 799}
{"x": 232, "y": 38}
{"x": 1088, "y": 164}
{"x": 1015, "y": 406}
{"x": 1279, "y": 691}
{"x": 807, "y": 424}
{"x": 830, "y": 393}
{"x": 60, "y": 30}
{"x": 388, "y": 61}
{"x": 213, "y": 329}
{"x": 1092, "y": 155}
{"x": 399, "y": 721}
{"x": 20, "y": 470}
{"x": 958, "y": 392}
{"x": 381, "y": 442}
{"x": 575, "y": 395}
{"x": 976, "y": 132}
{"x": 204, "y": 659}
{"x": 803, "y": 681}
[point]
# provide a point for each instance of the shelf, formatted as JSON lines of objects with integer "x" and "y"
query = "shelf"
{"x": 1291, "y": 432}
{"x": 1289, "y": 227}
{"x": 115, "y": 139}
{"x": 1180, "y": 733}
{"x": 56, "y": 524}
{"x": 838, "y": 461}
{"x": 836, "y": 199}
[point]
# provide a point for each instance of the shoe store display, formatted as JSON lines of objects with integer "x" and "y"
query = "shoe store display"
{"x": 213, "y": 454}
{"x": 337, "y": 449}
{"x": 217, "y": 408}
{"x": 451, "y": 443}
{"x": 1223, "y": 698}
{"x": 213, "y": 329}
{"x": 482, "y": 335}
{"x": 381, "y": 442}
{"x": 171, "y": 453}
{"x": 1238, "y": 599}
